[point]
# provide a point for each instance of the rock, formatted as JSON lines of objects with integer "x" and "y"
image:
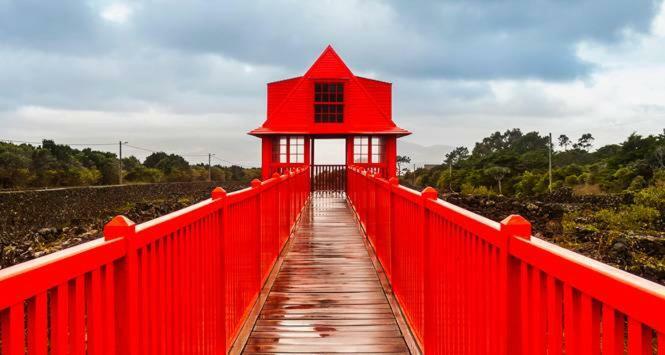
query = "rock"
{"x": 649, "y": 245}
{"x": 47, "y": 231}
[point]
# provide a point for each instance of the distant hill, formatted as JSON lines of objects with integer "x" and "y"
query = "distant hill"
{"x": 421, "y": 155}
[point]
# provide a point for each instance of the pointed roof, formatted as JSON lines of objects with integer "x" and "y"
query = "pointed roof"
{"x": 367, "y": 102}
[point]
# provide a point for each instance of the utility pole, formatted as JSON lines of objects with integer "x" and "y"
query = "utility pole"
{"x": 550, "y": 163}
{"x": 120, "y": 143}
{"x": 450, "y": 174}
{"x": 210, "y": 155}
{"x": 413, "y": 175}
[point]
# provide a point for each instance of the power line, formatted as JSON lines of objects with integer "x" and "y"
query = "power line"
{"x": 41, "y": 142}
{"x": 124, "y": 144}
{"x": 224, "y": 160}
{"x": 141, "y": 148}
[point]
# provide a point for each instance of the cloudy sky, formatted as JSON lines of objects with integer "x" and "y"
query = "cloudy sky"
{"x": 189, "y": 76}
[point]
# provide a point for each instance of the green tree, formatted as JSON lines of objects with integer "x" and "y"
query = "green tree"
{"x": 564, "y": 141}
{"x": 584, "y": 142}
{"x": 402, "y": 159}
{"x": 498, "y": 173}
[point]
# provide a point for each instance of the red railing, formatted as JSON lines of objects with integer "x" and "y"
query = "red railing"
{"x": 331, "y": 178}
{"x": 180, "y": 284}
{"x": 469, "y": 285}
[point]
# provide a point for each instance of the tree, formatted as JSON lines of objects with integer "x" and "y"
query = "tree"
{"x": 402, "y": 159}
{"x": 456, "y": 156}
{"x": 564, "y": 141}
{"x": 497, "y": 173}
{"x": 585, "y": 142}
{"x": 659, "y": 157}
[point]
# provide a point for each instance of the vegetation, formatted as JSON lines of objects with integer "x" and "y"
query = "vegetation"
{"x": 53, "y": 165}
{"x": 515, "y": 163}
{"x": 608, "y": 204}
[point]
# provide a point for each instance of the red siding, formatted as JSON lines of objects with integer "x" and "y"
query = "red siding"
{"x": 278, "y": 91}
{"x": 367, "y": 107}
{"x": 381, "y": 92}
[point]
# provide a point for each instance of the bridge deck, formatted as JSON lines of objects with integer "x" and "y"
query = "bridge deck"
{"x": 327, "y": 296}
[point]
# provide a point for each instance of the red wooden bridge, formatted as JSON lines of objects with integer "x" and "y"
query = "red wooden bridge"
{"x": 332, "y": 259}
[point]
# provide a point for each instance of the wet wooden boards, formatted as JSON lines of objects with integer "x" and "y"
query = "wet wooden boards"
{"x": 327, "y": 297}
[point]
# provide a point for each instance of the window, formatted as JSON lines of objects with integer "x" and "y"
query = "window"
{"x": 360, "y": 149}
{"x": 296, "y": 149}
{"x": 289, "y": 149}
{"x": 280, "y": 150}
{"x": 328, "y": 102}
{"x": 378, "y": 150}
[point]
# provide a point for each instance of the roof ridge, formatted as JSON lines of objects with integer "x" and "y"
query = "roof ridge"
{"x": 354, "y": 78}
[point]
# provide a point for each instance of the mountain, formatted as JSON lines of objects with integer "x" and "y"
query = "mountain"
{"x": 421, "y": 155}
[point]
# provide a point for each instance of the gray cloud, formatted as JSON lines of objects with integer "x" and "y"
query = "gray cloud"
{"x": 208, "y": 62}
{"x": 452, "y": 39}
{"x": 214, "y": 56}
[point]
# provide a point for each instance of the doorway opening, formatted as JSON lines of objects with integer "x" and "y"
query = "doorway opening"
{"x": 329, "y": 165}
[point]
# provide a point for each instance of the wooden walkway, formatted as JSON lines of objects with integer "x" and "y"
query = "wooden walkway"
{"x": 327, "y": 297}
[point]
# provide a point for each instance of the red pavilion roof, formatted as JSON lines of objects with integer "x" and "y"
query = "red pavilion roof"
{"x": 367, "y": 103}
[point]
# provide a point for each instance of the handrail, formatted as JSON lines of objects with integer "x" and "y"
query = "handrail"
{"x": 469, "y": 285}
{"x": 181, "y": 283}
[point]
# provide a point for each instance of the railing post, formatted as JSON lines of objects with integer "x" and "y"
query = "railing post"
{"x": 428, "y": 193}
{"x": 126, "y": 286}
{"x": 256, "y": 185}
{"x": 514, "y": 293}
{"x": 394, "y": 182}
{"x": 219, "y": 193}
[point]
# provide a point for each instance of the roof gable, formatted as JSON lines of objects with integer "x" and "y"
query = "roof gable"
{"x": 367, "y": 105}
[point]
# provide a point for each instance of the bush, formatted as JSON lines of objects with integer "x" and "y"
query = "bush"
{"x": 575, "y": 223}
{"x": 528, "y": 184}
{"x": 572, "y": 180}
{"x": 638, "y": 183}
{"x": 587, "y": 190}
{"x": 653, "y": 197}
{"x": 628, "y": 218}
{"x": 659, "y": 177}
{"x": 468, "y": 189}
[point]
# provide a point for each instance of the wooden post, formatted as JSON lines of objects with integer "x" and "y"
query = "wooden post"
{"x": 513, "y": 292}
{"x": 126, "y": 285}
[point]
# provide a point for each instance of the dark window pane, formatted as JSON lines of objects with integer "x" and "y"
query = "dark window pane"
{"x": 317, "y": 87}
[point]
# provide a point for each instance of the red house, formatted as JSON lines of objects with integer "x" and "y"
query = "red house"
{"x": 329, "y": 101}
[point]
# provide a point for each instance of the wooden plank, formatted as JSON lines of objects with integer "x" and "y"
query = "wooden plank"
{"x": 327, "y": 296}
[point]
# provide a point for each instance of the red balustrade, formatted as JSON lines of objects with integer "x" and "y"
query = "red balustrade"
{"x": 469, "y": 285}
{"x": 181, "y": 283}
{"x": 185, "y": 282}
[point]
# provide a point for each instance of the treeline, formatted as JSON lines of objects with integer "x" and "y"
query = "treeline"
{"x": 54, "y": 165}
{"x": 516, "y": 163}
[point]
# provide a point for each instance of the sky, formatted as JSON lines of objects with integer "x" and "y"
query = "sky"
{"x": 189, "y": 77}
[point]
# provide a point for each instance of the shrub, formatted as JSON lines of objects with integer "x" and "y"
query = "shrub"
{"x": 659, "y": 177}
{"x": 587, "y": 190}
{"x": 575, "y": 223}
{"x": 653, "y": 197}
{"x": 638, "y": 183}
{"x": 572, "y": 180}
{"x": 468, "y": 189}
{"x": 628, "y": 218}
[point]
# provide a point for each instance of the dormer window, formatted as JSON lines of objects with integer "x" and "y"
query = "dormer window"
{"x": 328, "y": 102}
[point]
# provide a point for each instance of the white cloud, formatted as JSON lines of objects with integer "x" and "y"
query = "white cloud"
{"x": 117, "y": 12}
